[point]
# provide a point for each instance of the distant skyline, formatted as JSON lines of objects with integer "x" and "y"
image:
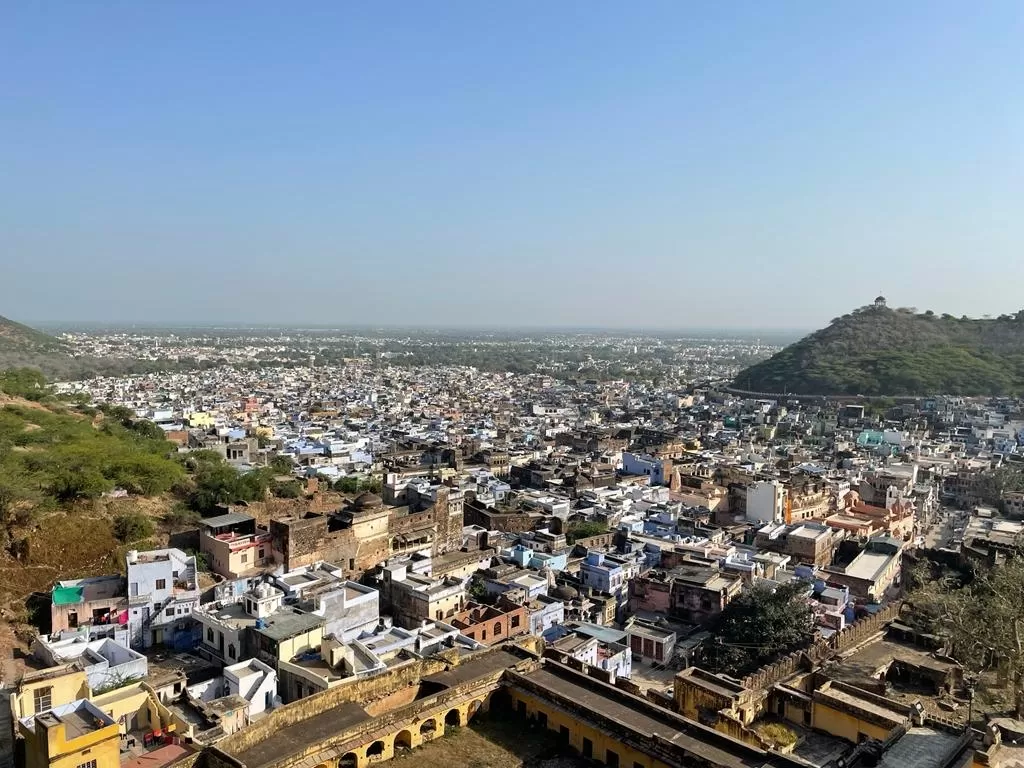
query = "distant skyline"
{"x": 661, "y": 165}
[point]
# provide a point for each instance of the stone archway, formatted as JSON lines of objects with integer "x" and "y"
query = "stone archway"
{"x": 474, "y": 707}
{"x": 376, "y": 750}
{"x": 403, "y": 740}
{"x": 349, "y": 760}
{"x": 428, "y": 729}
{"x": 453, "y": 718}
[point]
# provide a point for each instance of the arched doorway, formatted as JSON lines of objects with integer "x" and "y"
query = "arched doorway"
{"x": 403, "y": 741}
{"x": 375, "y": 750}
{"x": 453, "y": 718}
{"x": 474, "y": 707}
{"x": 428, "y": 729}
{"x": 349, "y": 760}
{"x": 501, "y": 703}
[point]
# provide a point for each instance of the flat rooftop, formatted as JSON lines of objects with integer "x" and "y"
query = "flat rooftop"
{"x": 481, "y": 666}
{"x": 850, "y": 701}
{"x": 294, "y": 739}
{"x": 641, "y": 719}
{"x": 234, "y": 518}
{"x": 868, "y": 565}
{"x": 654, "y": 633}
{"x": 920, "y": 748}
{"x": 286, "y": 623}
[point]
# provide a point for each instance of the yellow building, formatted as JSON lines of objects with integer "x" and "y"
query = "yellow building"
{"x": 48, "y": 688}
{"x": 76, "y": 735}
{"x": 853, "y": 714}
{"x": 200, "y": 419}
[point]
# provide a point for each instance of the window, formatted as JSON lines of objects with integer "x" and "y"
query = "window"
{"x": 88, "y": 764}
{"x": 515, "y": 621}
{"x": 497, "y": 628}
{"x": 245, "y": 557}
{"x": 231, "y": 651}
{"x": 611, "y": 758}
{"x": 174, "y": 574}
{"x": 43, "y": 698}
{"x": 169, "y": 612}
{"x": 263, "y": 553}
{"x": 161, "y": 583}
{"x": 209, "y": 634}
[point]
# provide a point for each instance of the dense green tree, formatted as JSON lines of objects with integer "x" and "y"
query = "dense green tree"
{"x": 290, "y": 490}
{"x": 758, "y": 626}
{"x": 282, "y": 465}
{"x": 584, "y": 530}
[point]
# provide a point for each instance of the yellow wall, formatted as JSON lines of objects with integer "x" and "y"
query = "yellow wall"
{"x": 578, "y": 731}
{"x": 65, "y": 688}
{"x": 289, "y": 649}
{"x": 136, "y": 703}
{"x": 369, "y": 526}
{"x": 200, "y": 419}
{"x": 844, "y": 725}
{"x": 448, "y": 606}
{"x": 229, "y": 563}
{"x": 49, "y": 747}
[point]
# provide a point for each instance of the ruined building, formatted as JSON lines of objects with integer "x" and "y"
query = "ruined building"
{"x": 367, "y": 531}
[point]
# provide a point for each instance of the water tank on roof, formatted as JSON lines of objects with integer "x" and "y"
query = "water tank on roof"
{"x": 133, "y": 556}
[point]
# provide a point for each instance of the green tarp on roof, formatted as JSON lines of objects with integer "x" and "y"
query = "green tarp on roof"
{"x": 67, "y": 595}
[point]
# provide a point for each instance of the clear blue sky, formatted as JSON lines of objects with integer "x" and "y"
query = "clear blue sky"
{"x": 746, "y": 164}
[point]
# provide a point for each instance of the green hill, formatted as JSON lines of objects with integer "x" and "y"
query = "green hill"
{"x": 15, "y": 337}
{"x": 876, "y": 350}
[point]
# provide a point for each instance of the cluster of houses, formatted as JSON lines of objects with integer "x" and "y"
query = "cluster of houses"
{"x": 610, "y": 520}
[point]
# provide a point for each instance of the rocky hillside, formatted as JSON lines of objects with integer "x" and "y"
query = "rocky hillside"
{"x": 876, "y": 350}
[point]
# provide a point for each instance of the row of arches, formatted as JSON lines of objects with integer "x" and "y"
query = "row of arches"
{"x": 429, "y": 729}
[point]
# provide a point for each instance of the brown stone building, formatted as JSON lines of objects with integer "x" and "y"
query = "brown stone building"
{"x": 806, "y": 543}
{"x": 492, "y": 624}
{"x": 367, "y": 532}
{"x": 505, "y": 518}
{"x": 693, "y": 593}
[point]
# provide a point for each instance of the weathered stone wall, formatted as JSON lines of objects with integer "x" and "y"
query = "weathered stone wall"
{"x": 852, "y": 636}
{"x": 601, "y": 541}
{"x": 363, "y": 691}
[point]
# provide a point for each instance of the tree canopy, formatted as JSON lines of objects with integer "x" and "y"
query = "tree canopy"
{"x": 758, "y": 626}
{"x": 981, "y": 621}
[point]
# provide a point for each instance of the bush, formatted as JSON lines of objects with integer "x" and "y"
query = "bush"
{"x": 132, "y": 526}
{"x": 583, "y": 530}
{"x": 290, "y": 490}
{"x": 181, "y": 518}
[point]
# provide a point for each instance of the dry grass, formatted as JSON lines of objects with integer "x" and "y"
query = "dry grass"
{"x": 776, "y": 734}
{"x": 490, "y": 744}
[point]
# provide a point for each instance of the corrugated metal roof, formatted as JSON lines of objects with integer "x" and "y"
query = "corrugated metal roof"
{"x": 233, "y": 518}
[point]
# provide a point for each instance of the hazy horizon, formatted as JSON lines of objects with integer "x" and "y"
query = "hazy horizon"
{"x": 663, "y": 166}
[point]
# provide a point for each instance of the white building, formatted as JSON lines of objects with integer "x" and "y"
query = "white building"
{"x": 162, "y": 591}
{"x": 766, "y": 502}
